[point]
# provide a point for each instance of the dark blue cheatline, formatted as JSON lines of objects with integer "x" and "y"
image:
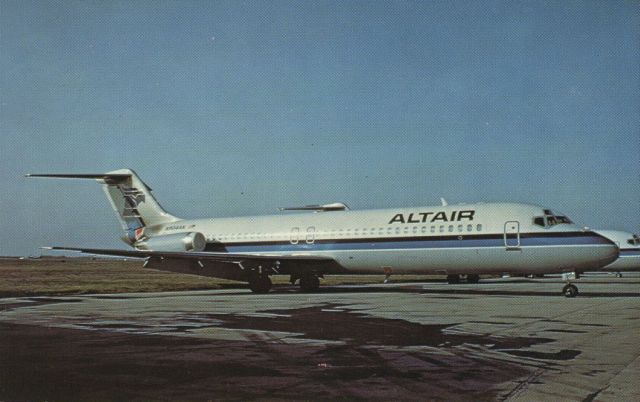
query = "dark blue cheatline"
{"x": 478, "y": 241}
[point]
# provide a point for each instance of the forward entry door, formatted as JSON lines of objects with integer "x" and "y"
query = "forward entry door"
{"x": 512, "y": 235}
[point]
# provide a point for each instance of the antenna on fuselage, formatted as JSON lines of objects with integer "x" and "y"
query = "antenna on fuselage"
{"x": 336, "y": 206}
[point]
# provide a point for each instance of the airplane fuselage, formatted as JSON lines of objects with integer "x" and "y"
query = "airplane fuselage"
{"x": 453, "y": 239}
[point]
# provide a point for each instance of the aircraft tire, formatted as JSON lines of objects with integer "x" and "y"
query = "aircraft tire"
{"x": 260, "y": 284}
{"x": 309, "y": 283}
{"x": 453, "y": 279}
{"x": 570, "y": 290}
{"x": 473, "y": 278}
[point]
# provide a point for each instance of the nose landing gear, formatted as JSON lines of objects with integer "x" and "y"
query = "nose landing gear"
{"x": 569, "y": 290}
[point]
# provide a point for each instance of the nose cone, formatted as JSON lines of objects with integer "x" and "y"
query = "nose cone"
{"x": 603, "y": 251}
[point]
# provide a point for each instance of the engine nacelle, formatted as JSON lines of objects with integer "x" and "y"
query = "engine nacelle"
{"x": 192, "y": 241}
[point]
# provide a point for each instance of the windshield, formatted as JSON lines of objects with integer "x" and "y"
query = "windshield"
{"x": 550, "y": 219}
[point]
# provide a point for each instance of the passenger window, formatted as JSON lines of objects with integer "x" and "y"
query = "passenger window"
{"x": 469, "y": 228}
{"x": 441, "y": 228}
{"x": 460, "y": 227}
{"x": 397, "y": 230}
{"x": 433, "y": 229}
{"x": 415, "y": 229}
{"x": 479, "y": 227}
{"x": 424, "y": 229}
{"x": 450, "y": 228}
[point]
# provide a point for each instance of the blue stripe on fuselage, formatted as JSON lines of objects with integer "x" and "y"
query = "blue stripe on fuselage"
{"x": 417, "y": 243}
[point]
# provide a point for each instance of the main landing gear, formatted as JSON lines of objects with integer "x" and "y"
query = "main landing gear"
{"x": 569, "y": 290}
{"x": 259, "y": 282}
{"x": 309, "y": 282}
{"x": 471, "y": 278}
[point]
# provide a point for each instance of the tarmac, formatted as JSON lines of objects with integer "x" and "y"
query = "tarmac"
{"x": 504, "y": 339}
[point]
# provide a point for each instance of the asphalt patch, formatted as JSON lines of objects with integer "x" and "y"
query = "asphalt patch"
{"x": 334, "y": 322}
{"x": 61, "y": 364}
{"x": 564, "y": 354}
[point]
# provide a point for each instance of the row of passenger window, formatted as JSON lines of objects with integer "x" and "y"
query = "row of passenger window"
{"x": 399, "y": 230}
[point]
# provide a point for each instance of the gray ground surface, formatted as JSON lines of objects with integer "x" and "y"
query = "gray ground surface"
{"x": 498, "y": 340}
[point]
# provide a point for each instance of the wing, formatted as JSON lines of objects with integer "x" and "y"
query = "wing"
{"x": 221, "y": 265}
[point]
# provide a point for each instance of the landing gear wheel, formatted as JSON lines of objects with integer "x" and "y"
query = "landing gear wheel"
{"x": 309, "y": 283}
{"x": 570, "y": 290}
{"x": 260, "y": 283}
{"x": 453, "y": 279}
{"x": 473, "y": 278}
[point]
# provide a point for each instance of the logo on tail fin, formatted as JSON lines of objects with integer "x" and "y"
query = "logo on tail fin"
{"x": 133, "y": 195}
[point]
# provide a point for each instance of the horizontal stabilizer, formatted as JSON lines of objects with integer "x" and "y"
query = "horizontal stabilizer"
{"x": 108, "y": 178}
{"x": 129, "y": 196}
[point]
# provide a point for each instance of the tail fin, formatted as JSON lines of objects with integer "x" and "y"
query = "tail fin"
{"x": 130, "y": 197}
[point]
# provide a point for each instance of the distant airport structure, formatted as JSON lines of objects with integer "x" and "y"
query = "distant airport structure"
{"x": 316, "y": 240}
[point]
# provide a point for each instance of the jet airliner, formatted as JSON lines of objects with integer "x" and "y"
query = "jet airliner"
{"x": 629, "y": 245}
{"x": 315, "y": 240}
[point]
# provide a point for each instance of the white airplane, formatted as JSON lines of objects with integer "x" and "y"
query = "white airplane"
{"x": 629, "y": 245}
{"x": 331, "y": 239}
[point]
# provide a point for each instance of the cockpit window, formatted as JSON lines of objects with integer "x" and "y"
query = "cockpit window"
{"x": 539, "y": 221}
{"x": 634, "y": 241}
{"x": 550, "y": 219}
{"x": 563, "y": 219}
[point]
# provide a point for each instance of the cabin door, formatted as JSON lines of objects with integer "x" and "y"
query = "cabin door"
{"x": 512, "y": 235}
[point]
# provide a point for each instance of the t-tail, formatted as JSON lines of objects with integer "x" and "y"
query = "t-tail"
{"x": 130, "y": 197}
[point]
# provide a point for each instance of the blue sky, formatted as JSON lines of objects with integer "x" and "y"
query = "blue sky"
{"x": 236, "y": 108}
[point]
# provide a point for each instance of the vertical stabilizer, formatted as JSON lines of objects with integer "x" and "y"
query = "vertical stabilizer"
{"x": 130, "y": 198}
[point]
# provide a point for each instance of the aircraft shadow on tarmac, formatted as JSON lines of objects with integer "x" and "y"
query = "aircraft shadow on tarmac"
{"x": 453, "y": 290}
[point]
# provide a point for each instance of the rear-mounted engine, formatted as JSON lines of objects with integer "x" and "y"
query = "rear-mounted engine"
{"x": 192, "y": 241}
